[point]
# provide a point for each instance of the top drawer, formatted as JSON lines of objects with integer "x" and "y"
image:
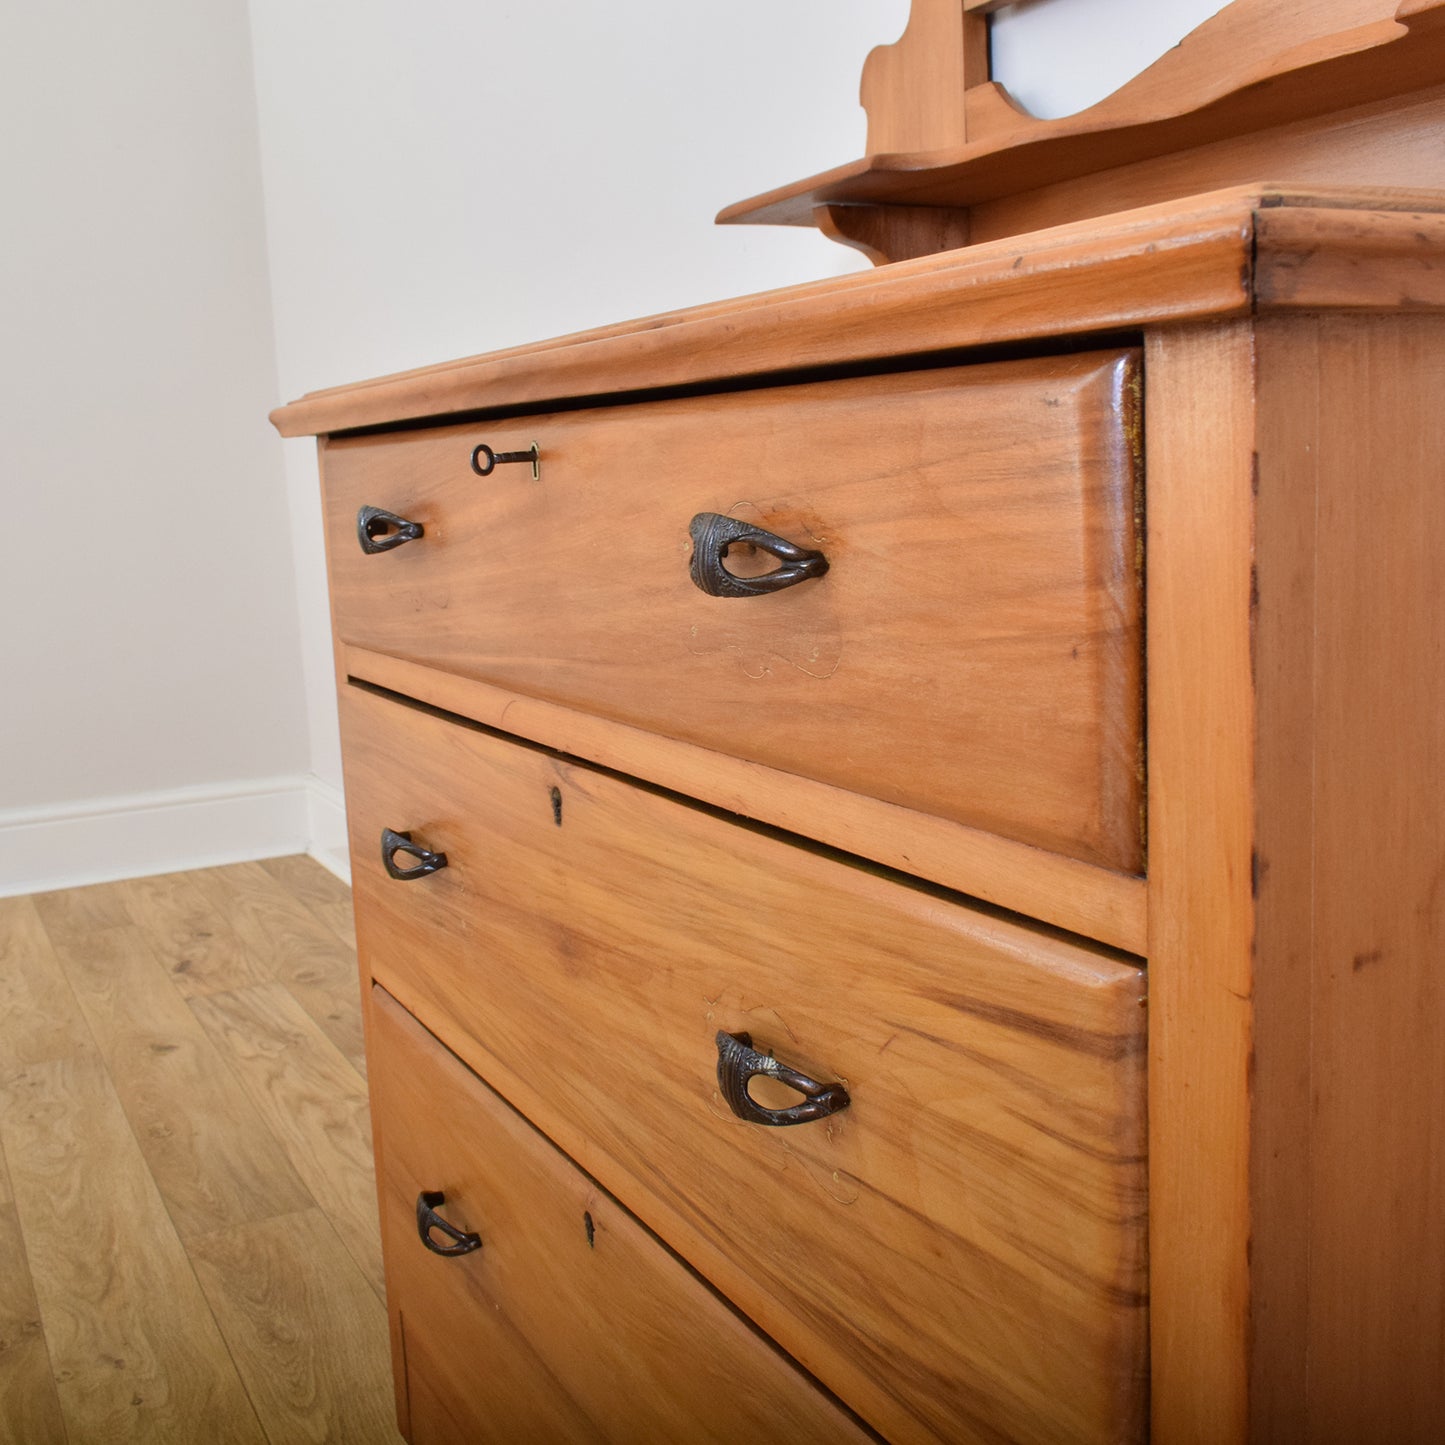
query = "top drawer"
{"x": 973, "y": 650}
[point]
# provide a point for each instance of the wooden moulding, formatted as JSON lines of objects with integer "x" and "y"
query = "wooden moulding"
{"x": 941, "y": 136}
{"x": 1181, "y": 261}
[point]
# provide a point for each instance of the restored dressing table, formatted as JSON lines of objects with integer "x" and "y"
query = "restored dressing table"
{"x": 896, "y": 825}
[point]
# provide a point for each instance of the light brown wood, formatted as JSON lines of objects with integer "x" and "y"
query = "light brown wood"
{"x": 1359, "y": 1014}
{"x": 1244, "y": 77}
{"x": 191, "y": 936}
{"x": 312, "y": 1099}
{"x": 1200, "y": 450}
{"x": 568, "y": 1294}
{"x": 913, "y": 90}
{"x": 29, "y": 1405}
{"x": 1386, "y": 145}
{"x": 39, "y": 1017}
{"x": 313, "y": 1373}
{"x": 1355, "y": 260}
{"x": 1090, "y": 901}
{"x": 894, "y": 233}
{"x": 135, "y": 1351}
{"x": 119, "y": 933}
{"x": 292, "y": 945}
{"x": 322, "y": 892}
{"x": 212, "y": 1158}
{"x": 1166, "y": 263}
{"x": 975, "y": 1048}
{"x": 979, "y": 525}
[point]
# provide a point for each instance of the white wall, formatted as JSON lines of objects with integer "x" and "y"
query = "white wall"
{"x": 151, "y": 706}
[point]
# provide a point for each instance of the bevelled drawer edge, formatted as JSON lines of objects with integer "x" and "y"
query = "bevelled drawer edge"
{"x": 1081, "y": 898}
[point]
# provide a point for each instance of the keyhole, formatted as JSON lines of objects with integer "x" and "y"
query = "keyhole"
{"x": 557, "y": 806}
{"x": 590, "y": 1228}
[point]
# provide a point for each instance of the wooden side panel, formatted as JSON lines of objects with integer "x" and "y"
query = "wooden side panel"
{"x": 584, "y": 1327}
{"x": 1372, "y": 1220}
{"x": 989, "y": 1172}
{"x": 978, "y": 523}
{"x": 1200, "y": 448}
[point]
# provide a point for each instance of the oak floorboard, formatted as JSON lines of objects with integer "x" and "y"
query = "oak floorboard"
{"x": 97, "y": 905}
{"x": 321, "y": 891}
{"x": 39, "y": 1017}
{"x": 189, "y": 935}
{"x": 294, "y": 947}
{"x": 304, "y": 1329}
{"x": 135, "y": 1350}
{"x": 313, "y": 1100}
{"x": 29, "y": 1405}
{"x": 209, "y": 1151}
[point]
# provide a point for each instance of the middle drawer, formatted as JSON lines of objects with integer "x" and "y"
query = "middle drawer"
{"x": 977, "y": 1210}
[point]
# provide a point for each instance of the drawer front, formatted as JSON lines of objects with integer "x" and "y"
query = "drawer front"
{"x": 972, "y": 652}
{"x": 959, "y": 1254}
{"x": 568, "y": 1323}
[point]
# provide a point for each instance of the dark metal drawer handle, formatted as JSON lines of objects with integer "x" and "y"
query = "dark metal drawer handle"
{"x": 380, "y": 531}
{"x": 427, "y": 861}
{"x": 485, "y": 461}
{"x": 427, "y": 1219}
{"x": 713, "y": 534}
{"x": 738, "y": 1062}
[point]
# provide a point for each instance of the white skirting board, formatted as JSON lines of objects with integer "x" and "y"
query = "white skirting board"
{"x": 104, "y": 839}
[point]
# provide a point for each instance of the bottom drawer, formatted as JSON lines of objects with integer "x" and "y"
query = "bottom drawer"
{"x": 569, "y": 1322}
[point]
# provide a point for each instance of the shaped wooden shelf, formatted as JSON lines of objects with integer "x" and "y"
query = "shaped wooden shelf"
{"x": 1261, "y": 90}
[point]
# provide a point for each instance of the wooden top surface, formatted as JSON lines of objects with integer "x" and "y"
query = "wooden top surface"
{"x": 1226, "y": 253}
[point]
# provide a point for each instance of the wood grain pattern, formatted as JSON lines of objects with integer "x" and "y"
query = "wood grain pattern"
{"x": 135, "y": 1350}
{"x": 979, "y": 524}
{"x": 914, "y": 89}
{"x": 211, "y": 1156}
{"x": 291, "y": 944}
{"x": 39, "y": 1017}
{"x": 302, "y": 1325}
{"x": 312, "y": 1099}
{"x": 894, "y": 233}
{"x": 29, "y": 1405}
{"x": 1200, "y": 448}
{"x": 322, "y": 892}
{"x": 976, "y": 1049}
{"x": 1366, "y": 1071}
{"x": 561, "y": 1314}
{"x": 190, "y": 934}
{"x": 1093, "y": 902}
{"x": 1389, "y": 144}
{"x": 1163, "y": 263}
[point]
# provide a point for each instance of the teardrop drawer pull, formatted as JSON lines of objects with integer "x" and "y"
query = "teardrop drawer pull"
{"x": 485, "y": 461}
{"x": 738, "y": 1062}
{"x": 427, "y": 1219}
{"x": 379, "y": 531}
{"x": 713, "y": 534}
{"x": 427, "y": 861}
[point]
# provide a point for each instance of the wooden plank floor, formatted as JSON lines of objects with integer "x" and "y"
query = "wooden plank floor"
{"x": 189, "y": 1247}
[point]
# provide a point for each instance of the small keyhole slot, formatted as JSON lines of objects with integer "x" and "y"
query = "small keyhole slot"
{"x": 557, "y": 806}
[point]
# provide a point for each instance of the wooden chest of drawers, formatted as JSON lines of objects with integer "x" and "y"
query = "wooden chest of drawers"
{"x": 854, "y": 1000}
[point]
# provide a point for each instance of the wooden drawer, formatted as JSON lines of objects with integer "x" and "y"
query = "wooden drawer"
{"x": 960, "y": 1254}
{"x": 973, "y": 651}
{"x": 531, "y": 1336}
